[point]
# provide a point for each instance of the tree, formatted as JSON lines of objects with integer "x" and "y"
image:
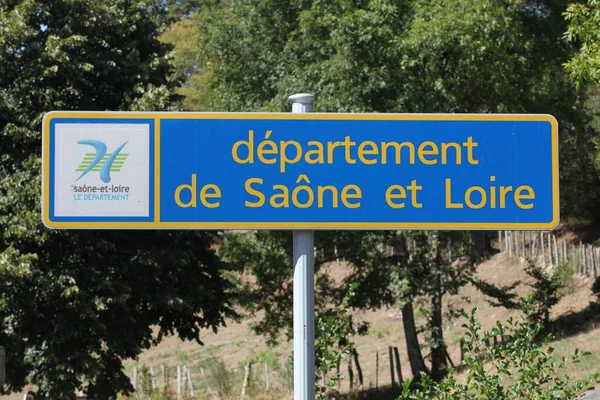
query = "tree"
{"x": 547, "y": 289}
{"x": 524, "y": 367}
{"x": 401, "y": 56}
{"x": 74, "y": 304}
{"x": 183, "y": 35}
{"x": 584, "y": 66}
{"x": 584, "y": 28}
{"x": 398, "y": 56}
{"x": 177, "y": 10}
{"x": 437, "y": 264}
{"x": 393, "y": 267}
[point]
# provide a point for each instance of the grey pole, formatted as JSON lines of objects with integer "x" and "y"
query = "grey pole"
{"x": 304, "y": 292}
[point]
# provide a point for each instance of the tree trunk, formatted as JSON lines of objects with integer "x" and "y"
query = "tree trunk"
{"x": 439, "y": 364}
{"x": 415, "y": 358}
{"x": 361, "y": 383}
{"x": 482, "y": 246}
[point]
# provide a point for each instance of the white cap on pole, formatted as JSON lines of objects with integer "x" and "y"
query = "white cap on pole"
{"x": 302, "y": 102}
{"x": 304, "y": 292}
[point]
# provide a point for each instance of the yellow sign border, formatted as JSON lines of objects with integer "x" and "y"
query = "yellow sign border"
{"x": 157, "y": 224}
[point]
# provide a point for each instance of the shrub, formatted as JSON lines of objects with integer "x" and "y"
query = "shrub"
{"x": 333, "y": 329}
{"x": 521, "y": 367}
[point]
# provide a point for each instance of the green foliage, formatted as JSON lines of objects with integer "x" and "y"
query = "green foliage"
{"x": 403, "y": 56}
{"x": 184, "y": 36}
{"x": 565, "y": 277}
{"x": 596, "y": 288}
{"x": 387, "y": 277}
{"x": 379, "y": 332}
{"x": 266, "y": 256}
{"x": 584, "y": 28}
{"x": 269, "y": 356}
{"x": 547, "y": 291}
{"x": 222, "y": 377}
{"x": 332, "y": 342}
{"x": 390, "y": 56}
{"x": 177, "y": 10}
{"x": 523, "y": 367}
{"x": 74, "y": 304}
{"x": 547, "y": 288}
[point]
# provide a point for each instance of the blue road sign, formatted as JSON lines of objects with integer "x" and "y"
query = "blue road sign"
{"x": 299, "y": 171}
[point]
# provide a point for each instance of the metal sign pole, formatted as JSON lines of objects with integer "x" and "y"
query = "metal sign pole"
{"x": 304, "y": 293}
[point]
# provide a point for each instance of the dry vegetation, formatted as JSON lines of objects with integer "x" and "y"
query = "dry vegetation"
{"x": 226, "y": 352}
{"x": 236, "y": 344}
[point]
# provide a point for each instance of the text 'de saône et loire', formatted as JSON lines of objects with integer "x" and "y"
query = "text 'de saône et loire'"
{"x": 280, "y": 154}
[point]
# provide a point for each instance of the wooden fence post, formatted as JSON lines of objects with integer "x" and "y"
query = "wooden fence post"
{"x": 377, "y": 370}
{"x": 189, "y": 379}
{"x": 178, "y": 382}
{"x": 184, "y": 384}
{"x": 550, "y": 251}
{"x": 586, "y": 261}
{"x": 246, "y": 379}
{"x": 359, "y": 372}
{"x": 337, "y": 376}
{"x": 531, "y": 242}
{"x": 134, "y": 378}
{"x": 582, "y": 260}
{"x": 267, "y": 381}
{"x": 500, "y": 241}
{"x": 350, "y": 374}
{"x": 542, "y": 249}
{"x": 206, "y": 381}
{"x": 284, "y": 375}
{"x": 391, "y": 366}
{"x": 556, "y": 250}
{"x": 398, "y": 366}
{"x": 152, "y": 378}
{"x": 594, "y": 260}
{"x": 591, "y": 259}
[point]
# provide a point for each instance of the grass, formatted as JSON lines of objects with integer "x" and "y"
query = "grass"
{"x": 269, "y": 355}
{"x": 183, "y": 356}
{"x": 379, "y": 333}
{"x": 588, "y": 341}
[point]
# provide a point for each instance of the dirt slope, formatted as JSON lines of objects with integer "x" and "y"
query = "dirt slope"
{"x": 236, "y": 344}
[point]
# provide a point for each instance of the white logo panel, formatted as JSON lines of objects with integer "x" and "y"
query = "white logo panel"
{"x": 101, "y": 170}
